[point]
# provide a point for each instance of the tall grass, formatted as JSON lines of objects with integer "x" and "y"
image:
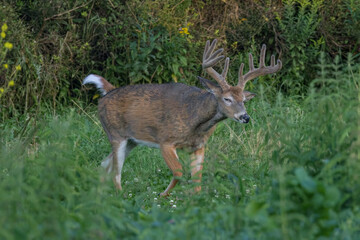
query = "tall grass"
{"x": 292, "y": 173}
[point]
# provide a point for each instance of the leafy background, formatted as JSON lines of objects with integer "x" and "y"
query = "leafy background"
{"x": 292, "y": 173}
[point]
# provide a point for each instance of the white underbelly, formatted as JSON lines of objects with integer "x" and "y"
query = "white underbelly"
{"x": 145, "y": 143}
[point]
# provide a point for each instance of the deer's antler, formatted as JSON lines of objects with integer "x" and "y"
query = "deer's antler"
{"x": 210, "y": 58}
{"x": 256, "y": 72}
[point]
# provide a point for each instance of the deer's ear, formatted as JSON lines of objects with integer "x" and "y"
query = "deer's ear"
{"x": 248, "y": 95}
{"x": 210, "y": 86}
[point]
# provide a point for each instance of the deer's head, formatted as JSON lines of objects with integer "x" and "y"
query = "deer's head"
{"x": 231, "y": 99}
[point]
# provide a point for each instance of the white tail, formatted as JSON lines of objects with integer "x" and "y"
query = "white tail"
{"x": 174, "y": 115}
{"x": 100, "y": 83}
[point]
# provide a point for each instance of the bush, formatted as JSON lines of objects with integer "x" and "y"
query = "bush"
{"x": 57, "y": 44}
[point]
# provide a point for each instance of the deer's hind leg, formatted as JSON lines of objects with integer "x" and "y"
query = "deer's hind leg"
{"x": 121, "y": 149}
{"x": 108, "y": 162}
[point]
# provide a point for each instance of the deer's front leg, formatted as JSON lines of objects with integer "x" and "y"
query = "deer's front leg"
{"x": 196, "y": 167}
{"x": 171, "y": 159}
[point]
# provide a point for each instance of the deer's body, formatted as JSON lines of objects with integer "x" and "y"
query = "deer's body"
{"x": 156, "y": 114}
{"x": 171, "y": 116}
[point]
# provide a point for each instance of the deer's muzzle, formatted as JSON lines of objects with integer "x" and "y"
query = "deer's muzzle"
{"x": 243, "y": 118}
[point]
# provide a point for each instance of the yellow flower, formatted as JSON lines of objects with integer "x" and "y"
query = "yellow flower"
{"x": 4, "y": 27}
{"x": 1, "y": 90}
{"x": 8, "y": 45}
{"x": 3, "y": 35}
{"x": 6, "y": 66}
{"x": 184, "y": 31}
{"x": 174, "y": 77}
{"x": 11, "y": 83}
{"x": 18, "y": 67}
{"x": 234, "y": 45}
{"x": 96, "y": 96}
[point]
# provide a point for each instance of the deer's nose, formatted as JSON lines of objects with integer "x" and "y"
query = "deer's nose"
{"x": 244, "y": 118}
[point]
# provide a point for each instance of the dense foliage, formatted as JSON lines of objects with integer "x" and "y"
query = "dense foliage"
{"x": 291, "y": 173}
{"x": 57, "y": 43}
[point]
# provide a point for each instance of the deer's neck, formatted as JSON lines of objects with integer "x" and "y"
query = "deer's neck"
{"x": 208, "y": 113}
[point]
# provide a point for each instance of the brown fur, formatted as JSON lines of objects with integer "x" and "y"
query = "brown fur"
{"x": 106, "y": 85}
{"x": 173, "y": 114}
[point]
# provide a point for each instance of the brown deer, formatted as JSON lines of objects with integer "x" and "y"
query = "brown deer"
{"x": 174, "y": 115}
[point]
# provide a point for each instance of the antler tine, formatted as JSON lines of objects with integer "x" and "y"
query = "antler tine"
{"x": 262, "y": 56}
{"x": 272, "y": 60}
{"x": 226, "y": 68}
{"x": 241, "y": 82}
{"x": 251, "y": 62}
{"x": 210, "y": 58}
{"x": 206, "y": 49}
{"x": 209, "y": 48}
{"x": 256, "y": 72}
{"x": 213, "y": 59}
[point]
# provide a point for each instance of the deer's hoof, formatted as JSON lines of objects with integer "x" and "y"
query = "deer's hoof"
{"x": 163, "y": 194}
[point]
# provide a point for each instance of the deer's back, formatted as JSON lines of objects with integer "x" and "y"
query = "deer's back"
{"x": 156, "y": 113}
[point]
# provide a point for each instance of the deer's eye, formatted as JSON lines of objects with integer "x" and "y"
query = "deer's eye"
{"x": 228, "y": 100}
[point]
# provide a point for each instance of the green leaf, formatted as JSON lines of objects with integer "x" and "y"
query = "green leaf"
{"x": 255, "y": 208}
{"x": 175, "y": 68}
{"x": 332, "y": 196}
{"x": 183, "y": 60}
{"x": 305, "y": 180}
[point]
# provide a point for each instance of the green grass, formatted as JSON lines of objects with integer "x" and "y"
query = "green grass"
{"x": 292, "y": 173}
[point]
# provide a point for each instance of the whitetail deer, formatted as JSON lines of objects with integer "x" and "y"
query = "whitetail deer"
{"x": 173, "y": 115}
